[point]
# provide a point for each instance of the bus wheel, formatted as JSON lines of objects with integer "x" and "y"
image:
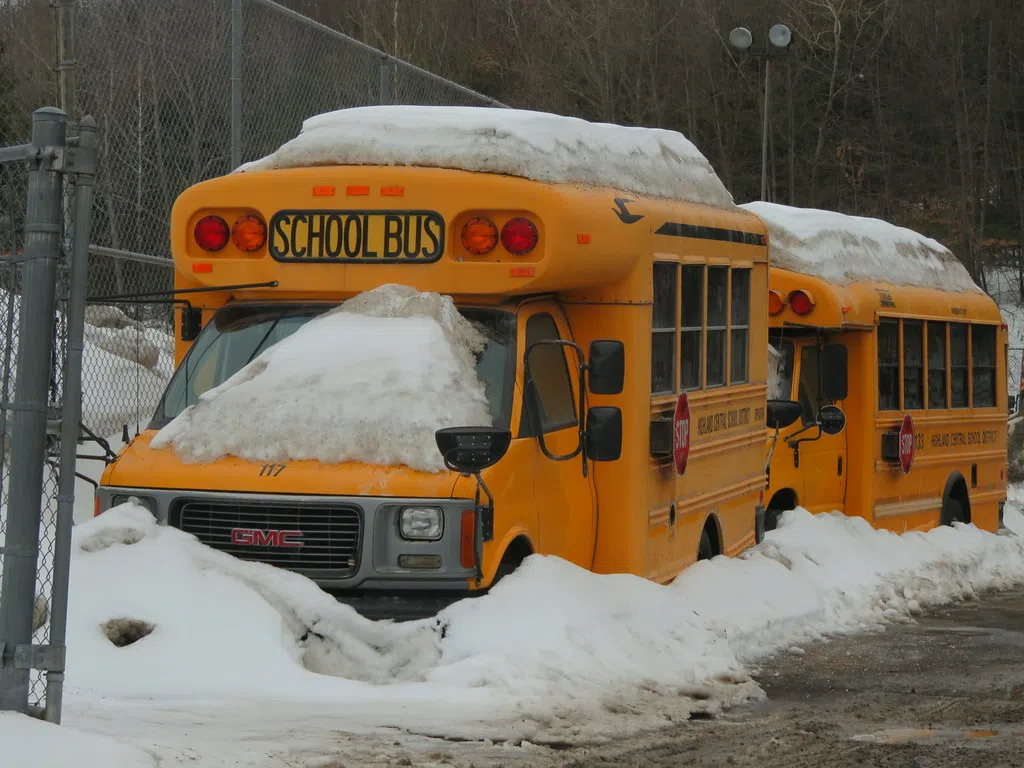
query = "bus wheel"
{"x": 954, "y": 512}
{"x": 706, "y": 550}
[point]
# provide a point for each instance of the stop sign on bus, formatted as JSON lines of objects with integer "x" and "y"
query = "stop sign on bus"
{"x": 681, "y": 433}
{"x": 907, "y": 443}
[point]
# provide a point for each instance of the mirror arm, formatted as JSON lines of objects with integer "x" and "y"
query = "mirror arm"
{"x": 484, "y": 528}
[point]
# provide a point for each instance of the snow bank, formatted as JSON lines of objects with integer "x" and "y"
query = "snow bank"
{"x": 25, "y": 741}
{"x": 370, "y": 381}
{"x": 534, "y": 145}
{"x": 843, "y": 249}
{"x": 553, "y": 653}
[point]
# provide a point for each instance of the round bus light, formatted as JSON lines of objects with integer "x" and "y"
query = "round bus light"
{"x": 249, "y": 233}
{"x": 479, "y": 236}
{"x": 519, "y": 236}
{"x": 775, "y": 302}
{"x": 801, "y": 301}
{"x": 212, "y": 233}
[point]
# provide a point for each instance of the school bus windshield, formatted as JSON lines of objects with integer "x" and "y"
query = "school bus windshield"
{"x": 239, "y": 333}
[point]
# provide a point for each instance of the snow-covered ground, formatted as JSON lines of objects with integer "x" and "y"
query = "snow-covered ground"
{"x": 246, "y": 664}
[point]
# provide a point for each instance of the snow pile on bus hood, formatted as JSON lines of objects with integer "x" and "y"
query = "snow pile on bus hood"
{"x": 535, "y": 145}
{"x": 553, "y": 652}
{"x": 370, "y": 381}
{"x": 843, "y": 249}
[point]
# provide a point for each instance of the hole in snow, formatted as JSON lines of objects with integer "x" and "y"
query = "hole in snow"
{"x": 122, "y": 632}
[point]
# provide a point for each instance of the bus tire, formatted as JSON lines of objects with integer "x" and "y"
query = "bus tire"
{"x": 954, "y": 512}
{"x": 706, "y": 550}
{"x": 956, "y": 505}
{"x": 517, "y": 551}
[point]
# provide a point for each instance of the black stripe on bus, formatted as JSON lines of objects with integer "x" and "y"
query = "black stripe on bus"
{"x": 676, "y": 229}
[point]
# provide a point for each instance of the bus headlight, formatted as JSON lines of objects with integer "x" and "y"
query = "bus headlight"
{"x": 421, "y": 523}
{"x": 143, "y": 501}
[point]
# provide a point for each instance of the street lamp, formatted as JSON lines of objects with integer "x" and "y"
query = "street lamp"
{"x": 779, "y": 39}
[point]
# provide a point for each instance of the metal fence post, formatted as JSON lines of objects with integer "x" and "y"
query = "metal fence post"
{"x": 387, "y": 80}
{"x": 28, "y": 432}
{"x": 237, "y": 64}
{"x": 71, "y": 408}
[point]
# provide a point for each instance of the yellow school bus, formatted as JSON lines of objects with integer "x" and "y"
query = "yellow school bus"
{"x": 632, "y": 443}
{"x": 917, "y": 372}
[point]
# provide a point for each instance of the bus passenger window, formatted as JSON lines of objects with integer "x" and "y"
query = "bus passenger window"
{"x": 692, "y": 326}
{"x": 983, "y": 350}
{"x": 913, "y": 364}
{"x": 663, "y": 330}
{"x": 739, "y": 326}
{"x": 810, "y": 384}
{"x": 888, "y": 365}
{"x": 552, "y": 396}
{"x": 958, "y": 364}
{"x": 936, "y": 365}
{"x": 718, "y": 285}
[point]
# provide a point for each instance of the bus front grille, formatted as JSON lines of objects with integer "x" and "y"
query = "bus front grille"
{"x": 298, "y": 536}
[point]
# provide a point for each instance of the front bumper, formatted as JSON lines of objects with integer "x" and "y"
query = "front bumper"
{"x": 349, "y": 546}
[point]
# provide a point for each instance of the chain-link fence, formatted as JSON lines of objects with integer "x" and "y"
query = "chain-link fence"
{"x": 45, "y": 212}
{"x": 185, "y": 89}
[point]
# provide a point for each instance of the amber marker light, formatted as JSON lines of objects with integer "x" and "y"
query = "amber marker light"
{"x": 249, "y": 233}
{"x": 775, "y": 303}
{"x": 479, "y": 236}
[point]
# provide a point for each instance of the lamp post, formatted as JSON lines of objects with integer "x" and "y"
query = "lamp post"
{"x": 779, "y": 39}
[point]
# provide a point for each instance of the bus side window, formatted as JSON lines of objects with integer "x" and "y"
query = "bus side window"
{"x": 692, "y": 325}
{"x": 913, "y": 364}
{"x": 550, "y": 404}
{"x": 810, "y": 384}
{"x": 780, "y": 370}
{"x": 718, "y": 318}
{"x": 739, "y": 326}
{"x": 888, "y": 365}
{"x": 663, "y": 329}
{"x": 958, "y": 380}
{"x": 983, "y": 350}
{"x": 936, "y": 365}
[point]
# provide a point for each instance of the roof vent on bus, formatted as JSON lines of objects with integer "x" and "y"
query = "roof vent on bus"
{"x": 801, "y": 301}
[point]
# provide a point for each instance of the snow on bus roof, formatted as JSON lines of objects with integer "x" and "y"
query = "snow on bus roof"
{"x": 844, "y": 249}
{"x": 648, "y": 162}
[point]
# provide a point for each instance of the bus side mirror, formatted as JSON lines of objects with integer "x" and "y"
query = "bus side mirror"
{"x": 606, "y": 369}
{"x": 831, "y": 420}
{"x": 191, "y": 322}
{"x": 834, "y": 382}
{"x": 471, "y": 449}
{"x": 782, "y": 413}
{"x": 604, "y": 433}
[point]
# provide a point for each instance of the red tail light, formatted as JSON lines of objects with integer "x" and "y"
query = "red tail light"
{"x": 212, "y": 233}
{"x": 519, "y": 236}
{"x": 801, "y": 301}
{"x": 467, "y": 538}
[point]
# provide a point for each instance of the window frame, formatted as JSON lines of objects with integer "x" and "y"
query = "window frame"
{"x": 748, "y": 272}
{"x": 676, "y": 363}
{"x": 530, "y": 423}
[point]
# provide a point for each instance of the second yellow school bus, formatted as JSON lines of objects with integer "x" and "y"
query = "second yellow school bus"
{"x": 655, "y": 461}
{"x": 918, "y": 373}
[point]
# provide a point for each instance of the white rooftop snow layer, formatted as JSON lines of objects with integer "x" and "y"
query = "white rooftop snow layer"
{"x": 647, "y": 162}
{"x": 843, "y": 249}
{"x": 370, "y": 381}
